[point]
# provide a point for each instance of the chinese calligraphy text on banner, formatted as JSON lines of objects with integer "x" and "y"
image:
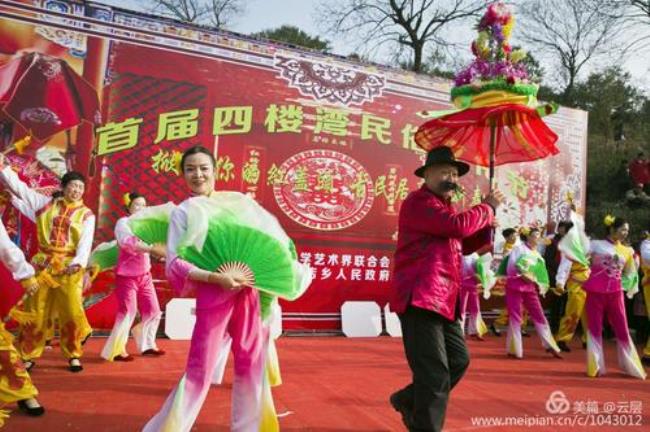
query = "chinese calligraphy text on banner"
{"x": 324, "y": 144}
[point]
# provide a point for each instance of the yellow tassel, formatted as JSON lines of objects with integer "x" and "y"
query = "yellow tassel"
{"x": 7, "y": 337}
{"x": 20, "y": 316}
{"x": 22, "y": 144}
{"x": 45, "y": 280}
{"x": 4, "y": 415}
{"x": 26, "y": 283}
{"x": 126, "y": 199}
{"x": 609, "y": 220}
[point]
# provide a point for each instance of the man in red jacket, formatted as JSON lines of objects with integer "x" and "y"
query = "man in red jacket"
{"x": 639, "y": 170}
{"x": 432, "y": 239}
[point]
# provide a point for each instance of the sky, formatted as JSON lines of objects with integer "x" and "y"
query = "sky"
{"x": 269, "y": 14}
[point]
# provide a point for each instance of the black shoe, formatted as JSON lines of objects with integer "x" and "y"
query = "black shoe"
{"x": 406, "y": 415}
{"x": 494, "y": 330}
{"x": 75, "y": 368}
{"x": 584, "y": 345}
{"x": 524, "y": 333}
{"x": 29, "y": 364}
{"x": 31, "y": 411}
{"x": 645, "y": 360}
{"x": 554, "y": 353}
{"x": 563, "y": 346}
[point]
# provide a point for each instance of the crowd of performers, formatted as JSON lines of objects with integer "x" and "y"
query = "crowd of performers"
{"x": 590, "y": 292}
{"x": 228, "y": 316}
{"x": 227, "y": 312}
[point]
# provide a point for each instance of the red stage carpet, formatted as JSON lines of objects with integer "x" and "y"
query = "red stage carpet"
{"x": 338, "y": 384}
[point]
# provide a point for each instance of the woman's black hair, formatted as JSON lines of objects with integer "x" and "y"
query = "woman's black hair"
{"x": 135, "y": 195}
{"x": 71, "y": 176}
{"x": 508, "y": 232}
{"x": 196, "y": 150}
{"x": 618, "y": 222}
{"x": 524, "y": 237}
{"x": 132, "y": 197}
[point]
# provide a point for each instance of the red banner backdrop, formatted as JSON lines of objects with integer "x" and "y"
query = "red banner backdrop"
{"x": 323, "y": 143}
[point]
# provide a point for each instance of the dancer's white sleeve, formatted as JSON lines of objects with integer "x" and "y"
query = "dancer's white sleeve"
{"x": 563, "y": 272}
{"x": 85, "y": 242}
{"x": 645, "y": 253}
{"x": 33, "y": 200}
{"x": 12, "y": 257}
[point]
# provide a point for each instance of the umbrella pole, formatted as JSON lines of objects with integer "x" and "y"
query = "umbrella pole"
{"x": 493, "y": 142}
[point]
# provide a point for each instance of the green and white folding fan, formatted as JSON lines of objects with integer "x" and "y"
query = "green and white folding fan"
{"x": 230, "y": 232}
{"x": 575, "y": 243}
{"x": 104, "y": 256}
{"x": 502, "y": 270}
{"x": 485, "y": 274}
{"x": 150, "y": 224}
{"x": 630, "y": 283}
{"x": 533, "y": 267}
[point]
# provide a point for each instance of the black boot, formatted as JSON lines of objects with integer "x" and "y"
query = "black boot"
{"x": 30, "y": 411}
{"x": 563, "y": 346}
{"x": 402, "y": 409}
{"x": 494, "y": 330}
{"x": 75, "y": 367}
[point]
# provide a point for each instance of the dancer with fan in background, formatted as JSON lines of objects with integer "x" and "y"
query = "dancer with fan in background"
{"x": 476, "y": 274}
{"x": 65, "y": 228}
{"x": 206, "y": 231}
{"x": 570, "y": 277}
{"x": 18, "y": 386}
{"x": 134, "y": 289}
{"x": 613, "y": 273}
{"x": 644, "y": 250}
{"x": 526, "y": 274}
{"x": 510, "y": 241}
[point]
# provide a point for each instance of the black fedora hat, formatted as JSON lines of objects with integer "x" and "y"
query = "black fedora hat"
{"x": 442, "y": 155}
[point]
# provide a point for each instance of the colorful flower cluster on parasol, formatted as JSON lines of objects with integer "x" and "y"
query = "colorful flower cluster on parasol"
{"x": 495, "y": 60}
{"x": 496, "y": 118}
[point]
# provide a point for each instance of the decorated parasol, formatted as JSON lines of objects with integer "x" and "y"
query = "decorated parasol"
{"x": 496, "y": 118}
{"x": 44, "y": 95}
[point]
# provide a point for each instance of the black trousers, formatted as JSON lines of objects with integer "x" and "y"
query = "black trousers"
{"x": 438, "y": 358}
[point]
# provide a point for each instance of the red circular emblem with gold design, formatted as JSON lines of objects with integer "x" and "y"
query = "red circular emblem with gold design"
{"x": 324, "y": 190}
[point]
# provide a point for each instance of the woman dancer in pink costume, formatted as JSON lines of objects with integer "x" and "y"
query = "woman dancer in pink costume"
{"x": 223, "y": 304}
{"x": 611, "y": 263}
{"x": 134, "y": 290}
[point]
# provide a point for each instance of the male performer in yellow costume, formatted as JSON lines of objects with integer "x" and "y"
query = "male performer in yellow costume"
{"x": 570, "y": 277}
{"x": 65, "y": 229}
{"x": 15, "y": 383}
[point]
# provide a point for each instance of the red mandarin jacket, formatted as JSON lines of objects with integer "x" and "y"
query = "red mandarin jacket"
{"x": 431, "y": 241}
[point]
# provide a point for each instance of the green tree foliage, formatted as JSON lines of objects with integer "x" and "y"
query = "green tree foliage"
{"x": 614, "y": 104}
{"x": 294, "y": 36}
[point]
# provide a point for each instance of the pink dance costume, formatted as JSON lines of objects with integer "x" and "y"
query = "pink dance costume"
{"x": 135, "y": 292}
{"x": 469, "y": 303}
{"x": 611, "y": 264}
{"x": 218, "y": 311}
{"x": 522, "y": 291}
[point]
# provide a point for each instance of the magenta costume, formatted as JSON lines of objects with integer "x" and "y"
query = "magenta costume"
{"x": 135, "y": 292}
